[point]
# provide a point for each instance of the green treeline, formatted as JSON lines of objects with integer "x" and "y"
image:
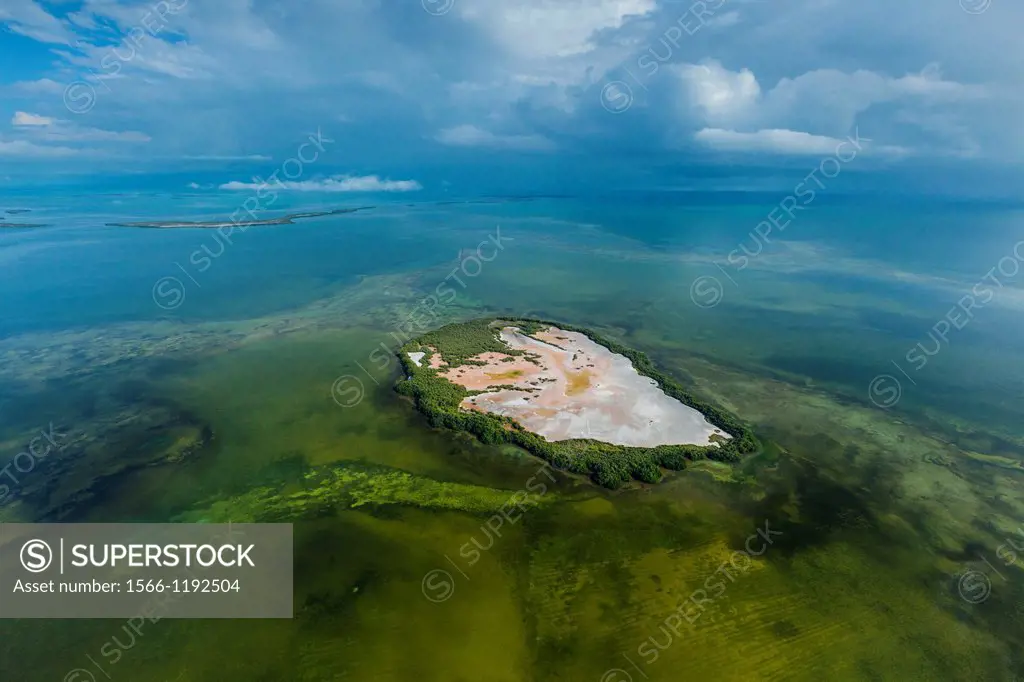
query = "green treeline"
{"x": 459, "y": 342}
{"x": 607, "y": 464}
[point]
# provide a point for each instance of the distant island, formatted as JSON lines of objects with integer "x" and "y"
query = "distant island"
{"x": 18, "y": 226}
{"x": 283, "y": 220}
{"x": 582, "y": 402}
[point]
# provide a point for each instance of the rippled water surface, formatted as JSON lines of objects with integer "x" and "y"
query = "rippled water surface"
{"x": 203, "y": 375}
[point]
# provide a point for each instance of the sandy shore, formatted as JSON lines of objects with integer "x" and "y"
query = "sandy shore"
{"x": 579, "y": 389}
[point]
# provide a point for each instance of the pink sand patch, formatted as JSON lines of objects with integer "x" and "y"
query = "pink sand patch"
{"x": 436, "y": 361}
{"x": 577, "y": 388}
{"x": 495, "y": 373}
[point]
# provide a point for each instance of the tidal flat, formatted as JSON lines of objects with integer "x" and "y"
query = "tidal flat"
{"x": 583, "y": 390}
{"x": 873, "y": 515}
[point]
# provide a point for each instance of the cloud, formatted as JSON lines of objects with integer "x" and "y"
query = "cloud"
{"x": 45, "y": 86}
{"x": 780, "y": 141}
{"x": 724, "y": 20}
{"x": 828, "y": 97}
{"x": 776, "y": 141}
{"x": 522, "y": 75}
{"x": 471, "y": 136}
{"x": 552, "y": 28}
{"x": 73, "y": 133}
{"x": 802, "y": 114}
{"x": 336, "y": 183}
{"x": 27, "y": 18}
{"x": 51, "y": 129}
{"x": 22, "y": 148}
{"x": 721, "y": 95}
{"x": 22, "y": 118}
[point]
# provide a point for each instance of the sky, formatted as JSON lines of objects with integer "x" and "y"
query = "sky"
{"x": 403, "y": 95}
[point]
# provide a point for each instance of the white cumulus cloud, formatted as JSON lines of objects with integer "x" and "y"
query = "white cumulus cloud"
{"x": 721, "y": 95}
{"x": 23, "y": 118}
{"x": 805, "y": 113}
{"x": 782, "y": 141}
{"x": 335, "y": 183}
{"x": 26, "y": 149}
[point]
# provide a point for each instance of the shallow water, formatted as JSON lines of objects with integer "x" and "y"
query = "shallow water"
{"x": 881, "y": 512}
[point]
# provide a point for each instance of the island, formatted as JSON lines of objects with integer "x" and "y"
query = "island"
{"x": 586, "y": 404}
{"x": 211, "y": 224}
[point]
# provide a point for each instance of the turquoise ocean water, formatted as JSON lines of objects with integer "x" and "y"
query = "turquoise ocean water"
{"x": 874, "y": 343}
